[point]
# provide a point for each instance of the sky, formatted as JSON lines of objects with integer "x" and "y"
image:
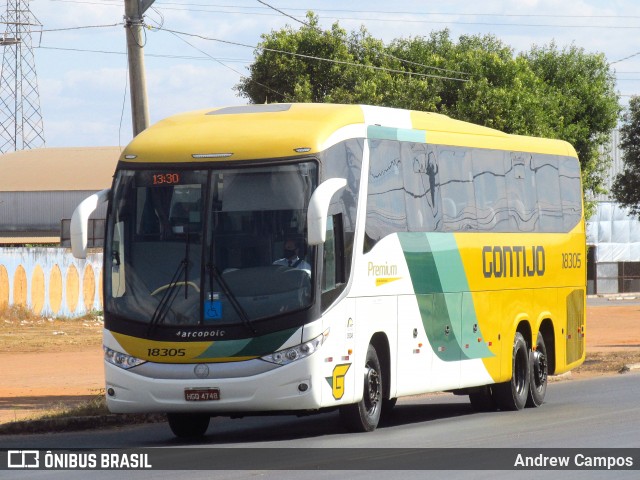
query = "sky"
{"x": 82, "y": 66}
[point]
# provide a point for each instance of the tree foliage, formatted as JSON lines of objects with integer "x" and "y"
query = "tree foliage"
{"x": 626, "y": 187}
{"x": 547, "y": 91}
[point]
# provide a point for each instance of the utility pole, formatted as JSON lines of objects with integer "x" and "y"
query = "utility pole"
{"x": 133, "y": 11}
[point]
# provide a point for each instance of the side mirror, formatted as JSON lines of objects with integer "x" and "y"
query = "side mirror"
{"x": 319, "y": 208}
{"x": 80, "y": 219}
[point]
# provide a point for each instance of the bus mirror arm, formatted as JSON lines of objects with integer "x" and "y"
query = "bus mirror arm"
{"x": 319, "y": 209}
{"x": 80, "y": 220}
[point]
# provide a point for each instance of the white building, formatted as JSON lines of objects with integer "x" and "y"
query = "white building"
{"x": 39, "y": 189}
{"x": 613, "y": 237}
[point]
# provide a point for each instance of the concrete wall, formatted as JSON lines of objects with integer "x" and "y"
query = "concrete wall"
{"x": 50, "y": 281}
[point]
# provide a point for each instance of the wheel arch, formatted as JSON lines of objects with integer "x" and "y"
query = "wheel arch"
{"x": 548, "y": 335}
{"x": 380, "y": 342}
{"x": 524, "y": 327}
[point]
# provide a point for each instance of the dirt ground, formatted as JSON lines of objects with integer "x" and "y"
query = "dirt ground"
{"x": 47, "y": 363}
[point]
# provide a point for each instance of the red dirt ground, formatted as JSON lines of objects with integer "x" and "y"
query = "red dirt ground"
{"x": 34, "y": 382}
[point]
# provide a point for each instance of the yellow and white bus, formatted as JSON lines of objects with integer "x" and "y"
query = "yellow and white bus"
{"x": 426, "y": 254}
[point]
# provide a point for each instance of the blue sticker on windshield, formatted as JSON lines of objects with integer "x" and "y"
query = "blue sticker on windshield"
{"x": 212, "y": 309}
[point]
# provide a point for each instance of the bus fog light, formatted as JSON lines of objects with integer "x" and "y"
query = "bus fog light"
{"x": 111, "y": 392}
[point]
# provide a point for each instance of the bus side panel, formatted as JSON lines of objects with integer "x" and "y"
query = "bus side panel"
{"x": 448, "y": 312}
{"x": 337, "y": 355}
{"x": 415, "y": 357}
{"x": 571, "y": 342}
{"x": 490, "y": 309}
{"x": 517, "y": 308}
{"x": 373, "y": 315}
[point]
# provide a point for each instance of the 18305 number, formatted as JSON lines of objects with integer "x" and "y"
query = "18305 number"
{"x": 166, "y": 352}
{"x": 571, "y": 260}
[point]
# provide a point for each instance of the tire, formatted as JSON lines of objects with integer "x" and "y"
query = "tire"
{"x": 365, "y": 415}
{"x": 188, "y": 425}
{"x": 539, "y": 373}
{"x": 482, "y": 400}
{"x": 512, "y": 395}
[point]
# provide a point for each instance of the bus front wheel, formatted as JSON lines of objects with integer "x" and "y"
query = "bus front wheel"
{"x": 365, "y": 415}
{"x": 188, "y": 425}
{"x": 512, "y": 395}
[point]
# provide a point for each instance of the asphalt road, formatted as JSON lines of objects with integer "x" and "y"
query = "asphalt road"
{"x": 595, "y": 413}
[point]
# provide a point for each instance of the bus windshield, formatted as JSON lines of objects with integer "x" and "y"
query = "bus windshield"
{"x": 209, "y": 247}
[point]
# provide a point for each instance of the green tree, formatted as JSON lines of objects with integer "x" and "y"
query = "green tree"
{"x": 558, "y": 93}
{"x": 626, "y": 187}
{"x": 583, "y": 86}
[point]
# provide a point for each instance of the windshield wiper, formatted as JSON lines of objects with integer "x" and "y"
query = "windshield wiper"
{"x": 169, "y": 295}
{"x": 214, "y": 272}
{"x": 171, "y": 292}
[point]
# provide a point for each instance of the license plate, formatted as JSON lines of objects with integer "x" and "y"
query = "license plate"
{"x": 201, "y": 394}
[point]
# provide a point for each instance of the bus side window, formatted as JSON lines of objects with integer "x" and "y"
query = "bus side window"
{"x": 570, "y": 192}
{"x": 333, "y": 259}
{"x": 548, "y": 192}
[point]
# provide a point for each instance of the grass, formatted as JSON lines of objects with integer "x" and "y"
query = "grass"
{"x": 97, "y": 405}
{"x": 23, "y": 331}
{"x": 90, "y": 414}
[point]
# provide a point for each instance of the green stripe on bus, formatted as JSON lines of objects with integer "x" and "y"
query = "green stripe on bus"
{"x": 400, "y": 134}
{"x": 248, "y": 347}
{"x": 441, "y": 289}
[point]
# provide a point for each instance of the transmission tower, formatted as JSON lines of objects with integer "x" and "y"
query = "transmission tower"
{"x": 20, "y": 117}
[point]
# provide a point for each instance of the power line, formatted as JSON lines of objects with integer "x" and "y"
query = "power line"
{"x": 154, "y": 55}
{"x": 86, "y": 27}
{"x": 67, "y": 29}
{"x": 283, "y": 13}
{"x": 381, "y": 12}
{"x": 209, "y": 57}
{"x": 338, "y": 10}
{"x": 625, "y": 58}
{"x": 283, "y": 96}
{"x": 384, "y": 54}
{"x": 181, "y": 7}
{"x": 312, "y": 57}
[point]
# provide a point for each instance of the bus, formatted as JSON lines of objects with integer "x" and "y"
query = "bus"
{"x": 438, "y": 255}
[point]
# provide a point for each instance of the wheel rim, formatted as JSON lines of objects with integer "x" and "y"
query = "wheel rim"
{"x": 372, "y": 390}
{"x": 539, "y": 368}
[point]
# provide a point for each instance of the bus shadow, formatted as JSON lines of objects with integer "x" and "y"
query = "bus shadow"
{"x": 262, "y": 429}
{"x": 408, "y": 414}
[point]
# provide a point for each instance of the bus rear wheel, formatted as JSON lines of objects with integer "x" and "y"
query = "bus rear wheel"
{"x": 539, "y": 373}
{"x": 365, "y": 415}
{"x": 188, "y": 425}
{"x": 512, "y": 395}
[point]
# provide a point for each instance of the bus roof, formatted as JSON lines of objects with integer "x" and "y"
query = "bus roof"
{"x": 289, "y": 130}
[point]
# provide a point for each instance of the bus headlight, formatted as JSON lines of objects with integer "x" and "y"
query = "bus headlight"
{"x": 288, "y": 355}
{"x": 120, "y": 359}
